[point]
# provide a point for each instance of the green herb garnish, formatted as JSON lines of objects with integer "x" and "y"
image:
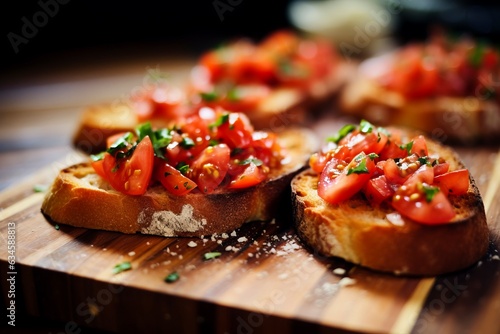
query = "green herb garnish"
{"x": 97, "y": 157}
{"x": 187, "y": 143}
{"x": 209, "y": 96}
{"x": 233, "y": 94}
{"x": 122, "y": 267}
{"x": 211, "y": 255}
{"x": 220, "y": 120}
{"x": 121, "y": 143}
{"x": 40, "y": 188}
{"x": 407, "y": 147}
{"x": 182, "y": 167}
{"x": 361, "y": 167}
{"x": 365, "y": 126}
{"x": 429, "y": 191}
{"x": 172, "y": 277}
{"x": 344, "y": 131}
{"x": 56, "y": 227}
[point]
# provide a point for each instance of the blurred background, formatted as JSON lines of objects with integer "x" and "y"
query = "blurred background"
{"x": 46, "y": 36}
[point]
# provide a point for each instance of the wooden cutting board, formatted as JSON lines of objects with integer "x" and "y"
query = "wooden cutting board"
{"x": 264, "y": 280}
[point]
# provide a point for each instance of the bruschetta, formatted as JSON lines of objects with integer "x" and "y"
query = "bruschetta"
{"x": 276, "y": 83}
{"x": 208, "y": 174}
{"x": 448, "y": 88}
{"x": 390, "y": 200}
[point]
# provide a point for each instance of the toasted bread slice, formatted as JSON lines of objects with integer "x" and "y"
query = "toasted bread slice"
{"x": 79, "y": 197}
{"x": 460, "y": 120}
{"x": 381, "y": 239}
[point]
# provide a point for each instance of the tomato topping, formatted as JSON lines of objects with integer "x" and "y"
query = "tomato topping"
{"x": 339, "y": 180}
{"x": 131, "y": 175}
{"x": 423, "y": 203}
{"x": 443, "y": 66}
{"x": 386, "y": 170}
{"x": 453, "y": 183}
{"x": 172, "y": 179}
{"x": 203, "y": 152}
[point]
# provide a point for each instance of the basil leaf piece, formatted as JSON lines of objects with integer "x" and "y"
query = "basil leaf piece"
{"x": 121, "y": 143}
{"x": 476, "y": 57}
{"x": 407, "y": 147}
{"x": 172, "y": 277}
{"x": 211, "y": 255}
{"x": 365, "y": 126}
{"x": 187, "y": 143}
{"x": 429, "y": 192}
{"x": 182, "y": 167}
{"x": 344, "y": 131}
{"x": 122, "y": 267}
{"x": 220, "y": 120}
{"x": 143, "y": 130}
{"x": 209, "y": 96}
{"x": 361, "y": 167}
{"x": 97, "y": 157}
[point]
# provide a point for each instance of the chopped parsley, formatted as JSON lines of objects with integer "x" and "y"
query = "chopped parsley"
{"x": 344, "y": 131}
{"x": 429, "y": 191}
{"x": 209, "y": 96}
{"x": 187, "y": 143}
{"x": 172, "y": 277}
{"x": 407, "y": 147}
{"x": 365, "y": 126}
{"x": 40, "y": 188}
{"x": 121, "y": 143}
{"x": 211, "y": 255}
{"x": 126, "y": 265}
{"x": 360, "y": 168}
{"x": 220, "y": 120}
{"x": 97, "y": 157}
{"x": 182, "y": 167}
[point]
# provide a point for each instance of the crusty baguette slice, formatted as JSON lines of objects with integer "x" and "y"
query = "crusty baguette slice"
{"x": 461, "y": 120}
{"x": 381, "y": 239}
{"x": 81, "y": 198}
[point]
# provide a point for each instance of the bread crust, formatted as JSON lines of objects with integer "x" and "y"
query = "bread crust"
{"x": 79, "y": 197}
{"x": 461, "y": 120}
{"x": 380, "y": 239}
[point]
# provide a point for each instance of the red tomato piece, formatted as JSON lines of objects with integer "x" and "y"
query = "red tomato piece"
{"x": 99, "y": 168}
{"x": 337, "y": 184}
{"x": 172, "y": 179}
{"x": 131, "y": 175}
{"x": 411, "y": 202}
{"x": 424, "y": 174}
{"x": 210, "y": 168}
{"x": 237, "y": 131}
{"x": 453, "y": 183}
{"x": 441, "y": 168}
{"x": 377, "y": 190}
{"x": 251, "y": 176}
{"x": 419, "y": 146}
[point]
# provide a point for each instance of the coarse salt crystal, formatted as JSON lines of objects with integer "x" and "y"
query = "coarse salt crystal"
{"x": 346, "y": 281}
{"x": 242, "y": 239}
{"x": 495, "y": 257}
{"x": 131, "y": 253}
{"x": 229, "y": 248}
{"x": 192, "y": 244}
{"x": 224, "y": 236}
{"x": 339, "y": 271}
{"x": 233, "y": 234}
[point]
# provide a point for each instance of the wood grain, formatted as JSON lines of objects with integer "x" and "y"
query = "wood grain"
{"x": 264, "y": 280}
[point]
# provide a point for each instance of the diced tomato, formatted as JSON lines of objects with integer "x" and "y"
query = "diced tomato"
{"x": 377, "y": 190}
{"x": 424, "y": 174}
{"x": 131, "y": 175}
{"x": 98, "y": 166}
{"x": 453, "y": 183}
{"x": 393, "y": 173}
{"x": 393, "y": 151}
{"x": 419, "y": 146}
{"x": 441, "y": 168}
{"x": 411, "y": 202}
{"x": 237, "y": 131}
{"x": 338, "y": 183}
{"x": 251, "y": 176}
{"x": 210, "y": 168}
{"x": 172, "y": 179}
{"x": 113, "y": 138}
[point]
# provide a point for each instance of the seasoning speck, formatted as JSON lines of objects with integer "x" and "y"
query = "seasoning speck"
{"x": 192, "y": 244}
{"x": 56, "y": 227}
{"x": 339, "y": 271}
{"x": 242, "y": 239}
{"x": 211, "y": 255}
{"x": 172, "y": 277}
{"x": 122, "y": 267}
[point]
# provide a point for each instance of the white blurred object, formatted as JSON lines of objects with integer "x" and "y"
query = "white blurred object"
{"x": 358, "y": 27}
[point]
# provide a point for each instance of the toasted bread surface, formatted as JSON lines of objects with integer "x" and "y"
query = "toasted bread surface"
{"x": 81, "y": 198}
{"x": 380, "y": 238}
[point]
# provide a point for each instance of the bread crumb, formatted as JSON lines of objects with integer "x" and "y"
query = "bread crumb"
{"x": 219, "y": 242}
{"x": 250, "y": 254}
{"x": 131, "y": 253}
{"x": 242, "y": 239}
{"x": 346, "y": 281}
{"x": 228, "y": 248}
{"x": 192, "y": 244}
{"x": 224, "y": 236}
{"x": 339, "y": 271}
{"x": 233, "y": 234}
